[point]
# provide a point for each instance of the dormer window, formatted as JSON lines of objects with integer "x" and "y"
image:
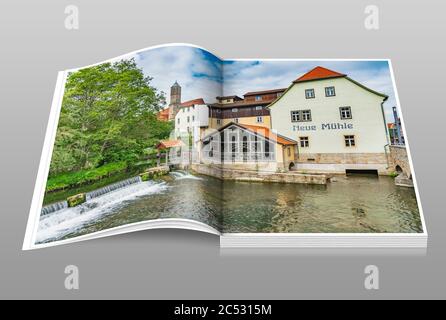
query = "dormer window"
{"x": 258, "y": 98}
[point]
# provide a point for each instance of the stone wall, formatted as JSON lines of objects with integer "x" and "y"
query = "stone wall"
{"x": 339, "y": 162}
{"x": 398, "y": 157}
{"x": 344, "y": 158}
{"x": 225, "y": 173}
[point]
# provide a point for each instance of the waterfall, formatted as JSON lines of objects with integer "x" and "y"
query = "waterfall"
{"x": 54, "y": 207}
{"x": 118, "y": 185}
{"x": 63, "y": 222}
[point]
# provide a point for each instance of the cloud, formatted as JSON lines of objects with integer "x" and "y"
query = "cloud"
{"x": 243, "y": 76}
{"x": 201, "y": 74}
{"x": 197, "y": 71}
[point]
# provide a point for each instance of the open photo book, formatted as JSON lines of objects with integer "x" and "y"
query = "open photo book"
{"x": 286, "y": 153}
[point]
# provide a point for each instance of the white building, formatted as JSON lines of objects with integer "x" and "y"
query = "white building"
{"x": 191, "y": 119}
{"x": 339, "y": 124}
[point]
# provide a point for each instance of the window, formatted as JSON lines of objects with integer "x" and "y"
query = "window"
{"x": 346, "y": 112}
{"x": 295, "y": 116}
{"x": 258, "y": 98}
{"x": 228, "y": 100}
{"x": 178, "y": 120}
{"x": 183, "y": 109}
{"x": 219, "y": 121}
{"x": 306, "y": 115}
{"x": 266, "y": 149}
{"x": 309, "y": 94}
{"x": 188, "y": 119}
{"x": 349, "y": 141}
{"x": 259, "y": 119}
{"x": 259, "y": 108}
{"x": 236, "y": 120}
{"x": 279, "y": 94}
{"x": 304, "y": 142}
{"x": 289, "y": 151}
{"x": 234, "y": 109}
{"x": 193, "y": 118}
{"x": 330, "y": 91}
{"x": 245, "y": 148}
{"x": 300, "y": 115}
{"x": 188, "y": 109}
{"x": 233, "y": 147}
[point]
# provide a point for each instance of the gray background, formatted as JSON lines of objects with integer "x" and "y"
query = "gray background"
{"x": 182, "y": 264}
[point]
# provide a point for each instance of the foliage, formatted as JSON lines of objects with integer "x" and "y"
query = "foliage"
{"x": 108, "y": 116}
{"x": 393, "y": 174}
{"x": 73, "y": 179}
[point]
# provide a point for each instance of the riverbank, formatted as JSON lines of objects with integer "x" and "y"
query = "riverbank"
{"x": 226, "y": 173}
{"x": 63, "y": 194}
{"x": 54, "y": 196}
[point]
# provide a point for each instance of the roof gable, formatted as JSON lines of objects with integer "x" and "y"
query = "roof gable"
{"x": 319, "y": 73}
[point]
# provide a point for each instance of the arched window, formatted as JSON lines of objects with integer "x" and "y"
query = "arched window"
{"x": 266, "y": 148}
{"x": 256, "y": 147}
{"x": 245, "y": 148}
{"x": 233, "y": 148}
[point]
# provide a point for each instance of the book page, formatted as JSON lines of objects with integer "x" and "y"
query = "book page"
{"x": 120, "y": 149}
{"x": 315, "y": 147}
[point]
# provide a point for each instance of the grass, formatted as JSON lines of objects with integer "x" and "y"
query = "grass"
{"x": 79, "y": 178}
{"x": 55, "y": 196}
{"x": 62, "y": 186}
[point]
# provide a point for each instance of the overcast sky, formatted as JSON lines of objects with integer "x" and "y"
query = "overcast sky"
{"x": 201, "y": 74}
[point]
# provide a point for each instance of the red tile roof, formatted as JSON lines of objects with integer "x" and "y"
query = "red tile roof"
{"x": 252, "y": 93}
{"x": 163, "y": 115}
{"x": 166, "y": 144}
{"x": 266, "y": 132}
{"x": 319, "y": 73}
{"x": 190, "y": 103}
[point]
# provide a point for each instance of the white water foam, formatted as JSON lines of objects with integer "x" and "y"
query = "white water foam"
{"x": 56, "y": 225}
{"x": 181, "y": 175}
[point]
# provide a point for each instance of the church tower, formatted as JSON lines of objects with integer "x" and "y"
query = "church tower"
{"x": 175, "y": 100}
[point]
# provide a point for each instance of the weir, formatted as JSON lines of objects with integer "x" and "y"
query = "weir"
{"x": 112, "y": 187}
{"x": 54, "y": 207}
{"x": 90, "y": 195}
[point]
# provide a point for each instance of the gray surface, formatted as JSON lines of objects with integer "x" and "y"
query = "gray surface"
{"x": 181, "y": 264}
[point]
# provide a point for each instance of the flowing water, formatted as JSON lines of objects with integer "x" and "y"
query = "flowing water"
{"x": 54, "y": 207}
{"x": 351, "y": 204}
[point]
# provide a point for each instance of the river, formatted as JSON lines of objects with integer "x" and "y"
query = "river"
{"x": 353, "y": 204}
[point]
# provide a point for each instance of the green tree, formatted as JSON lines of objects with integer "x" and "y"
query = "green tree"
{"x": 108, "y": 114}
